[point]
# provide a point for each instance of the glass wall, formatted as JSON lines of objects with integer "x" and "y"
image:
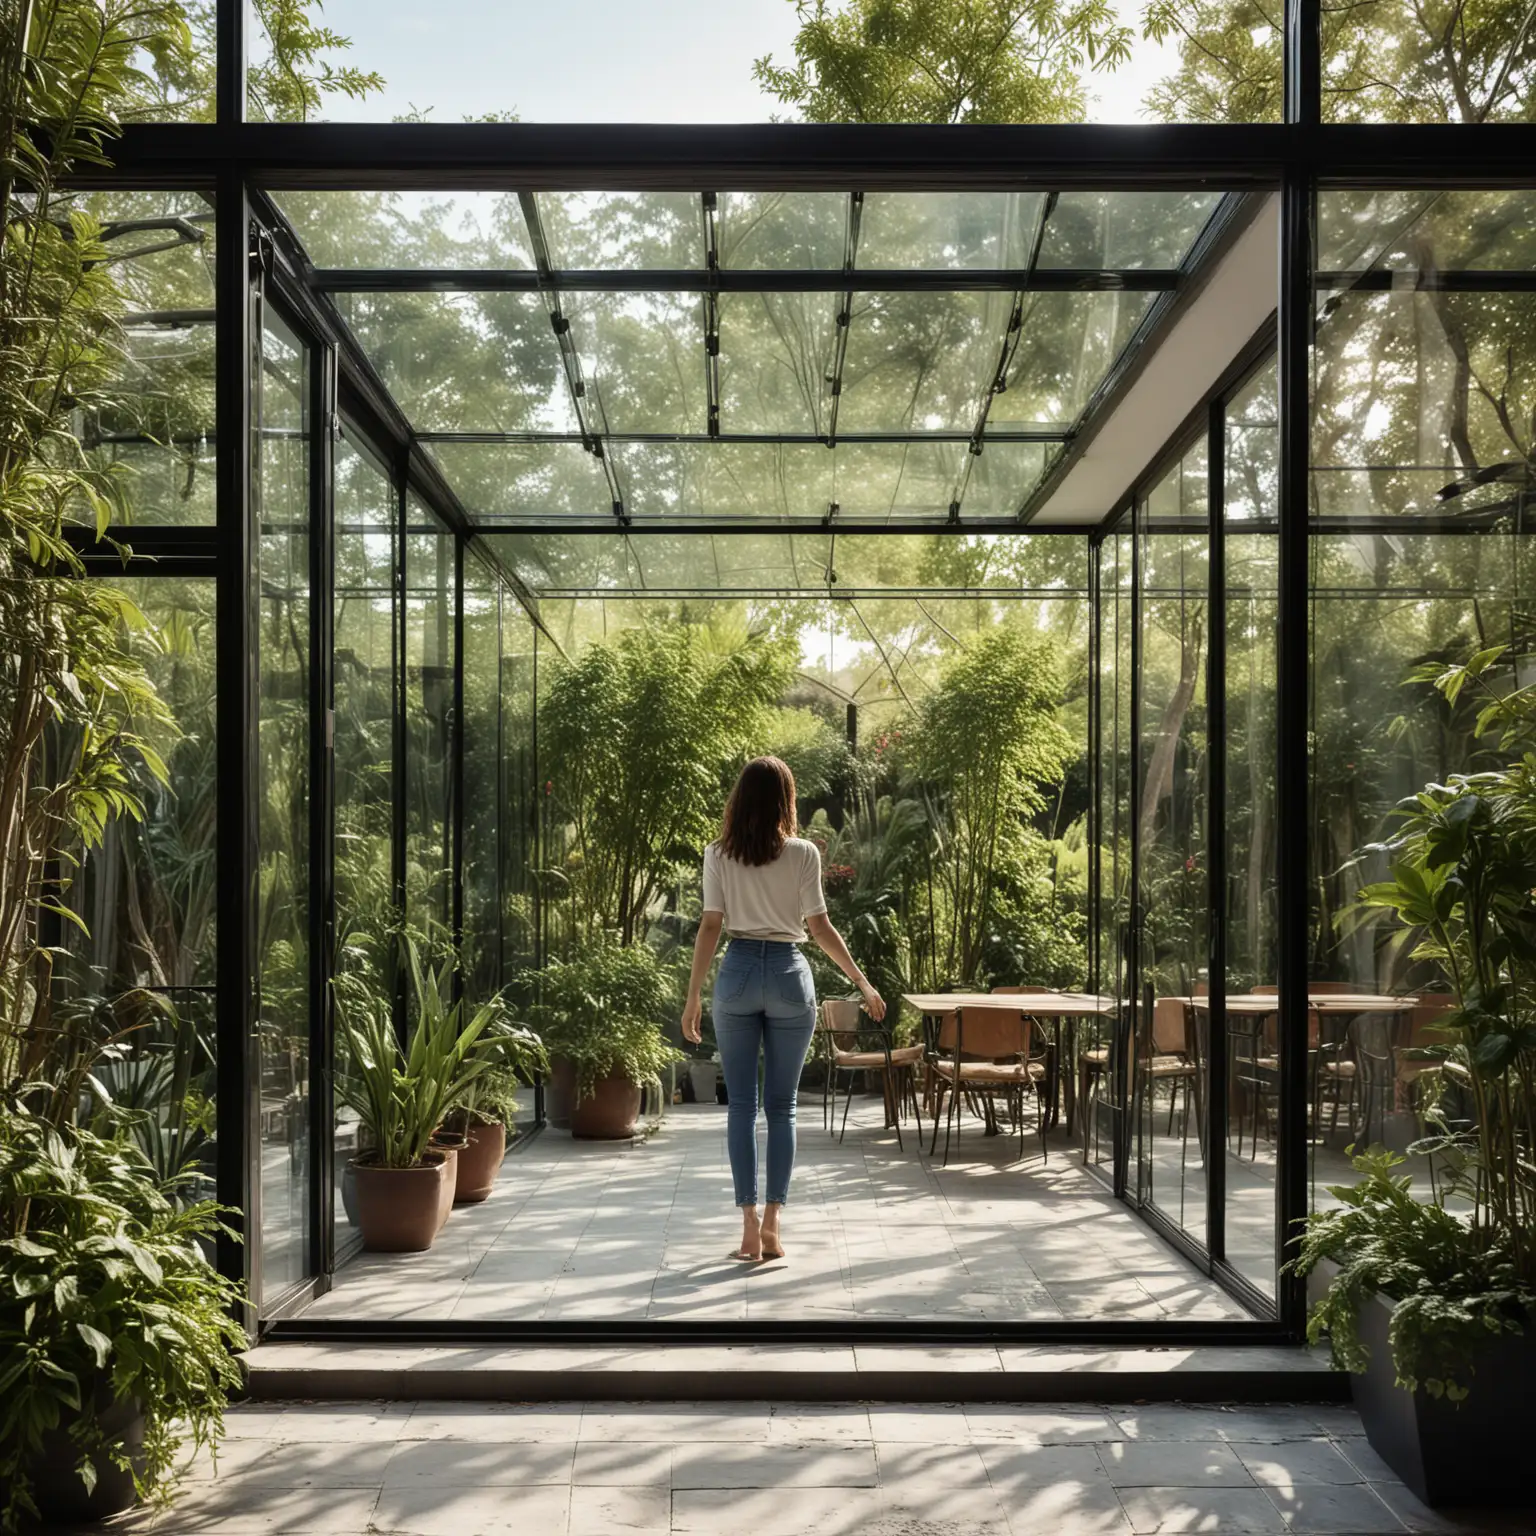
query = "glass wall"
{"x": 1171, "y": 826}
{"x": 485, "y": 802}
{"x": 431, "y": 654}
{"x": 1250, "y": 576}
{"x": 281, "y": 492}
{"x": 1102, "y": 1060}
{"x": 1423, "y": 391}
{"x": 146, "y": 895}
{"x": 154, "y": 437}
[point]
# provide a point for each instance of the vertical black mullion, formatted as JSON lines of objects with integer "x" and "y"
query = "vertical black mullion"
{"x": 538, "y": 843}
{"x": 1303, "y": 67}
{"x": 238, "y": 1138}
{"x": 231, "y": 54}
{"x": 322, "y": 884}
{"x": 1095, "y": 882}
{"x": 503, "y": 799}
{"x": 398, "y": 689}
{"x": 1293, "y": 682}
{"x": 1216, "y": 1088}
{"x": 456, "y": 748}
{"x": 1131, "y": 1116}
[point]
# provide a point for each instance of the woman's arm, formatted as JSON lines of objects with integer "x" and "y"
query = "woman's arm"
{"x": 703, "y": 952}
{"x": 831, "y": 944}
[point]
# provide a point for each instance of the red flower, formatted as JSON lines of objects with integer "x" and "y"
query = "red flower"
{"x": 1189, "y": 865}
{"x": 549, "y": 786}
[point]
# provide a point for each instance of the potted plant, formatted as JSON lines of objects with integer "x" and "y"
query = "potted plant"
{"x": 487, "y": 1111}
{"x": 401, "y": 1095}
{"x": 116, "y": 1334}
{"x": 598, "y": 1015}
{"x": 704, "y": 1076}
{"x": 1429, "y": 1302}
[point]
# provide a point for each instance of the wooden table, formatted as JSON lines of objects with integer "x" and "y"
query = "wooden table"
{"x": 1265, "y": 1004}
{"x": 1057, "y": 1006}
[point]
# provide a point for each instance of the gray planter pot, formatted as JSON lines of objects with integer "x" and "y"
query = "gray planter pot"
{"x": 703, "y": 1075}
{"x": 1458, "y": 1455}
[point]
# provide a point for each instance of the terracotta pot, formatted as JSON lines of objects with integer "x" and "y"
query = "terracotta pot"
{"x": 399, "y": 1209}
{"x": 560, "y": 1092}
{"x": 610, "y": 1113}
{"x": 447, "y": 1143}
{"x": 60, "y": 1495}
{"x": 480, "y": 1162}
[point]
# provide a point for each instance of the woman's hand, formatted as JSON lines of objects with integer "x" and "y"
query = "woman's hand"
{"x": 874, "y": 1004}
{"x": 692, "y": 1030}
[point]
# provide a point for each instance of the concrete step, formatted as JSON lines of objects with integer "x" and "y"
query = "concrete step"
{"x": 792, "y": 1373}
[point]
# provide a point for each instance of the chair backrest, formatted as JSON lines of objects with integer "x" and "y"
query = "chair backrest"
{"x": 987, "y": 1032}
{"x": 839, "y": 1018}
{"x": 1170, "y": 1035}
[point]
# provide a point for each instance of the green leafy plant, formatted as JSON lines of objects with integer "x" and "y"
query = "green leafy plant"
{"x": 493, "y": 1097}
{"x": 105, "y": 1295}
{"x": 1452, "y": 1297}
{"x": 402, "y": 1094}
{"x": 1462, "y": 1265}
{"x": 601, "y": 1010}
{"x": 638, "y": 736}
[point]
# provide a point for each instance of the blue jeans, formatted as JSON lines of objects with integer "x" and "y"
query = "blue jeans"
{"x": 764, "y": 999}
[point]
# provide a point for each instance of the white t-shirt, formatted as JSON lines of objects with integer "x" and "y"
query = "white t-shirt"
{"x": 765, "y": 901}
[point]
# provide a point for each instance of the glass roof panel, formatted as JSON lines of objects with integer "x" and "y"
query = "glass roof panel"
{"x": 876, "y": 482}
{"x": 1000, "y": 478}
{"x": 920, "y": 361}
{"x": 947, "y": 229}
{"x": 758, "y": 560}
{"x": 642, "y": 356}
{"x": 407, "y": 231}
{"x": 1404, "y": 231}
{"x": 728, "y": 481}
{"x": 629, "y": 230}
{"x": 1113, "y": 230}
{"x": 782, "y": 229}
{"x": 1068, "y": 344}
{"x": 465, "y": 362}
{"x": 521, "y": 480}
{"x": 776, "y": 354}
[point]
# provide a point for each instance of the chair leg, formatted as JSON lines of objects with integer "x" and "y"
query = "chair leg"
{"x": 938, "y": 1109}
{"x": 892, "y": 1097}
{"x": 951, "y": 1122}
{"x": 847, "y": 1104}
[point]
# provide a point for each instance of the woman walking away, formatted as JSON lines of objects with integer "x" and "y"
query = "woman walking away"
{"x": 762, "y": 884}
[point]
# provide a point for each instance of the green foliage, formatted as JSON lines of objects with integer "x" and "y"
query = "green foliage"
{"x": 1463, "y": 887}
{"x": 601, "y": 1010}
{"x": 637, "y": 738}
{"x": 76, "y": 702}
{"x": 104, "y": 1287}
{"x": 400, "y": 1095}
{"x": 1453, "y": 1298}
{"x": 983, "y": 748}
{"x": 1438, "y": 61}
{"x": 945, "y": 61}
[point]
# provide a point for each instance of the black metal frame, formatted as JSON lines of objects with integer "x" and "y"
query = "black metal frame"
{"x": 238, "y": 160}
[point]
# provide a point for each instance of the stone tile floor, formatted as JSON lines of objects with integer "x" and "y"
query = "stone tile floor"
{"x": 784, "y": 1469}
{"x": 643, "y": 1229}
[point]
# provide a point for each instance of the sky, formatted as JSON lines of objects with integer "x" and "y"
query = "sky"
{"x": 606, "y": 60}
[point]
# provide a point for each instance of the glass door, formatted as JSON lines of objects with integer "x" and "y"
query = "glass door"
{"x": 1171, "y": 823}
{"x": 283, "y": 399}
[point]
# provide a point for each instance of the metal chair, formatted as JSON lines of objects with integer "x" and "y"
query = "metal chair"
{"x": 990, "y": 1058}
{"x": 846, "y": 1043}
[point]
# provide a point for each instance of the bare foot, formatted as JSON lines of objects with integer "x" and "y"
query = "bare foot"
{"x": 751, "y": 1249}
{"x": 772, "y": 1242}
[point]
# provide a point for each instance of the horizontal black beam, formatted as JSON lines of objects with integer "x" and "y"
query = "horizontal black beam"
{"x": 1387, "y": 279}
{"x": 768, "y": 591}
{"x": 164, "y": 546}
{"x": 1043, "y": 434}
{"x": 491, "y": 523}
{"x": 784, "y": 156}
{"x": 754, "y": 280}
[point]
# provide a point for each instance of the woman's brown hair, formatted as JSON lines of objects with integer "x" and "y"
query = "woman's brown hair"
{"x": 760, "y": 814}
